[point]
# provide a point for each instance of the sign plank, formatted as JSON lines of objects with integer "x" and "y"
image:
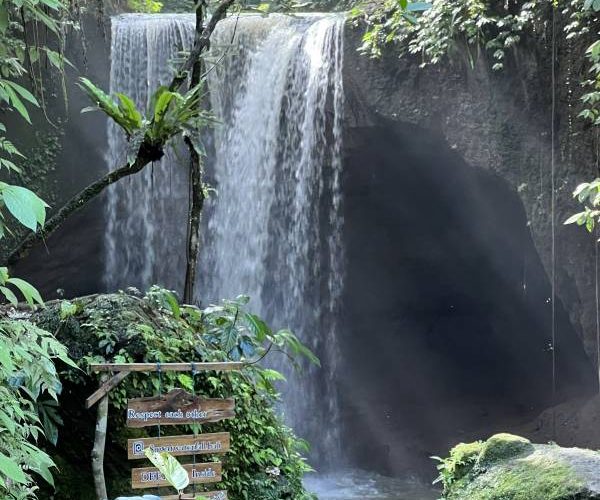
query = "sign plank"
{"x": 167, "y": 367}
{"x": 176, "y": 408}
{"x": 199, "y": 444}
{"x": 213, "y": 495}
{"x": 150, "y": 477}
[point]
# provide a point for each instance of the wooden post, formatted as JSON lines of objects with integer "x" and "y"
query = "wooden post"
{"x": 99, "y": 444}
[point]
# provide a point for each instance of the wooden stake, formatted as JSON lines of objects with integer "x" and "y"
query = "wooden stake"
{"x": 99, "y": 444}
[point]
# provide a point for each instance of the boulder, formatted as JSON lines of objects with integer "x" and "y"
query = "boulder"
{"x": 509, "y": 467}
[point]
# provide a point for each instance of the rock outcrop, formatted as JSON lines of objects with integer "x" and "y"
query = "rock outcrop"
{"x": 508, "y": 467}
{"x": 501, "y": 122}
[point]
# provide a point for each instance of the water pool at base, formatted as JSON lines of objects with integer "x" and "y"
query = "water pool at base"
{"x": 355, "y": 484}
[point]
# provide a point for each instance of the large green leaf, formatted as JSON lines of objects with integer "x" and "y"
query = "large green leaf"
{"x": 9, "y": 295}
{"x": 129, "y": 110}
{"x": 11, "y": 470}
{"x": 258, "y": 327}
{"x": 23, "y": 92}
{"x": 13, "y": 99}
{"x": 24, "y": 205}
{"x": 169, "y": 467}
{"x": 162, "y": 104}
{"x": 29, "y": 291}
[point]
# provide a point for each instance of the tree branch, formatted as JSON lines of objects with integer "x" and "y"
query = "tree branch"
{"x": 74, "y": 204}
{"x": 201, "y": 43}
{"x": 196, "y": 184}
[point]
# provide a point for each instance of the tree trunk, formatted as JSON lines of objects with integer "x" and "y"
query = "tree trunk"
{"x": 196, "y": 184}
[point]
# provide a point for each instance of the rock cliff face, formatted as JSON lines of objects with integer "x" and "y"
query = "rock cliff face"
{"x": 501, "y": 122}
{"x": 448, "y": 173}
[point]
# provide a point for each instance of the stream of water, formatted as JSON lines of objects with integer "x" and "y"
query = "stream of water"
{"x": 353, "y": 484}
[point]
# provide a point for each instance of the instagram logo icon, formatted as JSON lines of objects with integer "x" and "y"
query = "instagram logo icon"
{"x": 138, "y": 447}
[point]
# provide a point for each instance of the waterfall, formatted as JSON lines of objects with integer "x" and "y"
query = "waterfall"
{"x": 273, "y": 228}
{"x": 143, "y": 209}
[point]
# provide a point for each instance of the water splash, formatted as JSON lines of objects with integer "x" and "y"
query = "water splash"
{"x": 274, "y": 229}
{"x": 355, "y": 485}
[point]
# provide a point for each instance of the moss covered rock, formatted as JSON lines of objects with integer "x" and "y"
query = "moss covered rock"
{"x": 502, "y": 446}
{"x": 509, "y": 467}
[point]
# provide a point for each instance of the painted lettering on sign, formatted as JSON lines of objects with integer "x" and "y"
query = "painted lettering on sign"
{"x": 150, "y": 477}
{"x": 176, "y": 408}
{"x": 203, "y": 444}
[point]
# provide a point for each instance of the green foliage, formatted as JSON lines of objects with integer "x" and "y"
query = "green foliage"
{"x": 24, "y": 205}
{"x": 14, "y": 94}
{"x": 29, "y": 383}
{"x": 461, "y": 460}
{"x": 445, "y": 26}
{"x": 20, "y": 58}
{"x": 588, "y": 194}
{"x": 148, "y": 6}
{"x": 31, "y": 295}
{"x": 592, "y": 98}
{"x": 29, "y": 389}
{"x": 123, "y": 112}
{"x": 265, "y": 461}
{"x": 169, "y": 114}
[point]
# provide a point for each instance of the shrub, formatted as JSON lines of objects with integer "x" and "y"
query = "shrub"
{"x": 265, "y": 459}
{"x": 29, "y": 388}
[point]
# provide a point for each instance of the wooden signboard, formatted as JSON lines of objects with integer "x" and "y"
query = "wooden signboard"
{"x": 213, "y": 495}
{"x": 150, "y": 477}
{"x": 202, "y": 444}
{"x": 176, "y": 408}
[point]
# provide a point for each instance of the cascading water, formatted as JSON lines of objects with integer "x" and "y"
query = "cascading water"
{"x": 274, "y": 228}
{"x": 143, "y": 209}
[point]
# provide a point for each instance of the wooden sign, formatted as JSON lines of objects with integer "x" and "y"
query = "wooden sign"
{"x": 150, "y": 477}
{"x": 203, "y": 444}
{"x": 213, "y": 495}
{"x": 176, "y": 408}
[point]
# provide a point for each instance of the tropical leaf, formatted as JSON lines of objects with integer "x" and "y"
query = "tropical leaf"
{"x": 32, "y": 296}
{"x": 24, "y": 205}
{"x": 170, "y": 468}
